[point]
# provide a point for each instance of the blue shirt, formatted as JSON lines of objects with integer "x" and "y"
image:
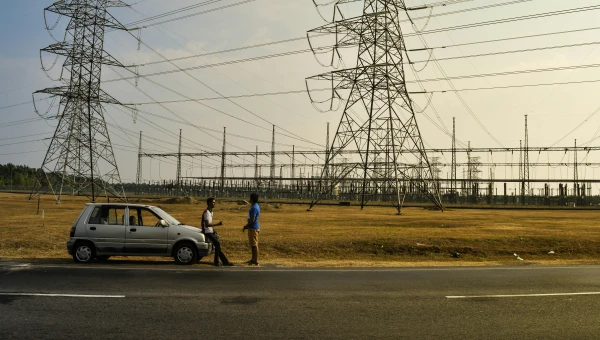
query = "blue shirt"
{"x": 254, "y": 212}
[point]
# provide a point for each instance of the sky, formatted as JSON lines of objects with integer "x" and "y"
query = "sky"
{"x": 557, "y": 114}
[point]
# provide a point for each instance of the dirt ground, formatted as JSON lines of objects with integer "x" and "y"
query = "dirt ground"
{"x": 335, "y": 236}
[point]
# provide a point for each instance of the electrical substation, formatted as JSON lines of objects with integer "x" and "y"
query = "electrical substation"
{"x": 374, "y": 154}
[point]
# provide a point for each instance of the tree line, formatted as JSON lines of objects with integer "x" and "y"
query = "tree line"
{"x": 16, "y": 175}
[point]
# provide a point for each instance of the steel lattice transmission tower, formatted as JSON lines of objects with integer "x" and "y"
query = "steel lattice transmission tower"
{"x": 80, "y": 155}
{"x": 378, "y": 120}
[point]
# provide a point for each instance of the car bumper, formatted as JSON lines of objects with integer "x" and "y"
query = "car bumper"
{"x": 204, "y": 249}
{"x": 70, "y": 244}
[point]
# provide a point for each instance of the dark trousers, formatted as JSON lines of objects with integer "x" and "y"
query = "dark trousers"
{"x": 218, "y": 253}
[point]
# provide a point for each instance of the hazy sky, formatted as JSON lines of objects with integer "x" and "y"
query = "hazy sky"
{"x": 553, "y": 110}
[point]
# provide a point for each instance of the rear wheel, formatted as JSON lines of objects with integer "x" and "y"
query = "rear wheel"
{"x": 85, "y": 252}
{"x": 186, "y": 253}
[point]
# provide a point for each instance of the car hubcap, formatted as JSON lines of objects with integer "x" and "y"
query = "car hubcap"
{"x": 185, "y": 254}
{"x": 84, "y": 253}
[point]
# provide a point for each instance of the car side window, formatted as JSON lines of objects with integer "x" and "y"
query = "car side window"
{"x": 115, "y": 215}
{"x": 147, "y": 218}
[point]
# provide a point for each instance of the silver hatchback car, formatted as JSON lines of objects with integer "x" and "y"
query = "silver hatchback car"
{"x": 121, "y": 229}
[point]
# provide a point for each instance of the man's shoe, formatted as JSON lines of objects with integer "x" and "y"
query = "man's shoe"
{"x": 248, "y": 262}
{"x": 229, "y": 264}
{"x": 252, "y": 263}
{"x": 218, "y": 265}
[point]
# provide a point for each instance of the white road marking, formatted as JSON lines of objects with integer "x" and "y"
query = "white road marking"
{"x": 63, "y": 295}
{"x": 268, "y": 268}
{"x": 519, "y": 295}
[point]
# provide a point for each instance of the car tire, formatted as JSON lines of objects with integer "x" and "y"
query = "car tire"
{"x": 102, "y": 258}
{"x": 84, "y": 252}
{"x": 185, "y": 253}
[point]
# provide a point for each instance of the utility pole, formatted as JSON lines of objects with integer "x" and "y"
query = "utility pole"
{"x": 272, "y": 174}
{"x": 469, "y": 170}
{"x": 526, "y": 163}
{"x": 256, "y": 175}
{"x": 378, "y": 118}
{"x": 178, "y": 183}
{"x": 326, "y": 173}
{"x": 138, "y": 177}
{"x": 575, "y": 172}
{"x": 81, "y": 145}
{"x": 293, "y": 172}
{"x": 521, "y": 172}
{"x": 223, "y": 161}
{"x": 453, "y": 167}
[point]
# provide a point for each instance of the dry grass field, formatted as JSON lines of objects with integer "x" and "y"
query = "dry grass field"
{"x": 335, "y": 235}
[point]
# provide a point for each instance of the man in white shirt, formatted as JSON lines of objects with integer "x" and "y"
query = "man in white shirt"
{"x": 209, "y": 232}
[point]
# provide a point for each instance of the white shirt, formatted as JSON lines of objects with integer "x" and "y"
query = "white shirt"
{"x": 207, "y": 221}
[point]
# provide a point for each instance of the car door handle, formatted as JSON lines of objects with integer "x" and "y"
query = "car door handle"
{"x": 132, "y": 229}
{"x": 92, "y": 228}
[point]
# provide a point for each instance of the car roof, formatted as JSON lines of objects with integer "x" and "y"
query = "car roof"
{"x": 122, "y": 204}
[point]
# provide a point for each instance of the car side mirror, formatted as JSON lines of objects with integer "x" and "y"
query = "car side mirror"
{"x": 163, "y": 223}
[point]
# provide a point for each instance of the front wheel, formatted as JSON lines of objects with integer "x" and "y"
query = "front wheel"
{"x": 186, "y": 253}
{"x": 85, "y": 252}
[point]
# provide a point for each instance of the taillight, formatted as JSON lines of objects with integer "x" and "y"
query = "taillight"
{"x": 72, "y": 233}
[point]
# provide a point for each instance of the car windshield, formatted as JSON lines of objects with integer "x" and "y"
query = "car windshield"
{"x": 170, "y": 219}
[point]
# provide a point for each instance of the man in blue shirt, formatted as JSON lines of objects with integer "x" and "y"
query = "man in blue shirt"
{"x": 253, "y": 228}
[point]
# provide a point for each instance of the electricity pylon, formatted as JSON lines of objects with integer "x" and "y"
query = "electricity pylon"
{"x": 80, "y": 156}
{"x": 378, "y": 120}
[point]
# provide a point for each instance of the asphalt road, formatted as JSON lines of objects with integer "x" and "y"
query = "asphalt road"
{"x": 163, "y": 301}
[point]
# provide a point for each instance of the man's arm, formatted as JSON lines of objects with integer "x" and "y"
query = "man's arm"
{"x": 250, "y": 221}
{"x": 210, "y": 224}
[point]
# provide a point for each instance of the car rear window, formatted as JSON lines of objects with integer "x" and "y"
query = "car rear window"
{"x": 95, "y": 216}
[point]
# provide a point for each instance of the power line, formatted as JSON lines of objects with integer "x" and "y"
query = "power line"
{"x": 461, "y": 99}
{"x": 412, "y": 92}
{"x": 27, "y": 136}
{"x": 507, "y": 3}
{"x": 24, "y": 103}
{"x": 507, "y": 39}
{"x": 209, "y": 87}
{"x": 304, "y": 37}
{"x": 215, "y": 91}
{"x": 17, "y": 89}
{"x": 168, "y": 110}
{"x": 213, "y": 130}
{"x": 496, "y": 74}
{"x": 512, "y": 86}
{"x": 510, "y": 52}
{"x": 166, "y": 14}
{"x": 199, "y": 13}
{"x": 224, "y": 51}
{"x": 24, "y": 142}
{"x": 508, "y": 20}
{"x": 19, "y": 122}
{"x": 21, "y": 152}
{"x": 308, "y": 50}
{"x": 276, "y": 55}
{"x": 293, "y": 136}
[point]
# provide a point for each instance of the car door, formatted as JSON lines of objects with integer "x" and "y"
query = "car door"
{"x": 106, "y": 229}
{"x": 145, "y": 235}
